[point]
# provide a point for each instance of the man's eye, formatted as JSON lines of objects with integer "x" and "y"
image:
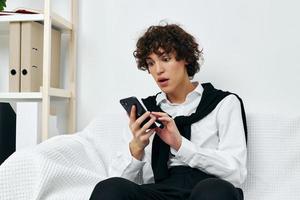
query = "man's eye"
{"x": 166, "y": 59}
{"x": 150, "y": 64}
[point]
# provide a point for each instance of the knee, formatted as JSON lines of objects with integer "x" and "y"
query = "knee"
{"x": 112, "y": 189}
{"x": 214, "y": 189}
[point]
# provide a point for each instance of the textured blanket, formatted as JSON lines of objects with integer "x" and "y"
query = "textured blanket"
{"x": 63, "y": 167}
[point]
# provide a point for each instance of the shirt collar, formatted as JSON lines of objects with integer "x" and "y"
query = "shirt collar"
{"x": 162, "y": 97}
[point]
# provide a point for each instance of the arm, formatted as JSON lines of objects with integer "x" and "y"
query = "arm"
{"x": 133, "y": 162}
{"x": 228, "y": 161}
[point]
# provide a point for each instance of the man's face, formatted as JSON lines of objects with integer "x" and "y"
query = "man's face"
{"x": 168, "y": 73}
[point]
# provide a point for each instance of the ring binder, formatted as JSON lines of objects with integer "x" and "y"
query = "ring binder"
{"x": 14, "y": 56}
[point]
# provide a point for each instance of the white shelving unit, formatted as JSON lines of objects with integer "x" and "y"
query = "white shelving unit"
{"x": 46, "y": 93}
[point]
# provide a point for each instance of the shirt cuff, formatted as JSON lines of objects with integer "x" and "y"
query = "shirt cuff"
{"x": 186, "y": 151}
{"x": 135, "y": 164}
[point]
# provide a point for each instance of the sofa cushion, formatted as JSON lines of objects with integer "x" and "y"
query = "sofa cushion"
{"x": 273, "y": 157}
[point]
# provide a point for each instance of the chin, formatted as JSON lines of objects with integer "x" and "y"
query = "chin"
{"x": 166, "y": 90}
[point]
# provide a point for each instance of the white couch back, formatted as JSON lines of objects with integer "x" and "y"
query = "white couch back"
{"x": 273, "y": 158}
{"x": 273, "y": 153}
{"x": 109, "y": 127}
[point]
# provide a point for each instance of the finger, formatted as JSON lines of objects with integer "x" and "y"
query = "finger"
{"x": 136, "y": 125}
{"x": 149, "y": 123}
{"x": 148, "y": 134}
{"x": 142, "y": 132}
{"x": 159, "y": 114}
{"x": 142, "y": 118}
{"x": 165, "y": 119}
{"x": 157, "y": 130}
{"x": 132, "y": 116}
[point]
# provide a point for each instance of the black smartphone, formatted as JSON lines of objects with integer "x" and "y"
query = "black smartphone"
{"x": 127, "y": 103}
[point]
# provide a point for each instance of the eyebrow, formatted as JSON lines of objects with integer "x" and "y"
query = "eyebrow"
{"x": 162, "y": 54}
{"x": 148, "y": 58}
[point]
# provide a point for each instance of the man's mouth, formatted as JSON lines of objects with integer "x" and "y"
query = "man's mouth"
{"x": 163, "y": 82}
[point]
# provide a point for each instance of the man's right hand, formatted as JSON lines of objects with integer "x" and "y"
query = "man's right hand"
{"x": 140, "y": 134}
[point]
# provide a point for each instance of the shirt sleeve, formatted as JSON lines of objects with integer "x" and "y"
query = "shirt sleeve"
{"x": 228, "y": 161}
{"x": 126, "y": 166}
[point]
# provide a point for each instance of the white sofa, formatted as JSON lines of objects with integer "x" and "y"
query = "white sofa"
{"x": 273, "y": 154}
{"x": 273, "y": 160}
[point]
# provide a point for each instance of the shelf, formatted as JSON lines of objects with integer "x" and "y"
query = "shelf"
{"x": 22, "y": 17}
{"x": 35, "y": 96}
{"x": 14, "y": 96}
{"x": 47, "y": 94}
{"x": 60, "y": 93}
{"x": 57, "y": 21}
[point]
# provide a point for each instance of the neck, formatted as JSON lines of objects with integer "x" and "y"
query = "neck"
{"x": 180, "y": 93}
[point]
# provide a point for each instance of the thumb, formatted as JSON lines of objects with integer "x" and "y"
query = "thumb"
{"x": 158, "y": 130}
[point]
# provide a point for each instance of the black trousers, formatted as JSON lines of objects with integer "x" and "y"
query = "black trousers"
{"x": 183, "y": 183}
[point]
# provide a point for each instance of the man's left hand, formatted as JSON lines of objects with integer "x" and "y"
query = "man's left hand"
{"x": 170, "y": 133}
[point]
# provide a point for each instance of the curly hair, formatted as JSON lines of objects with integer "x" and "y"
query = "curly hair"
{"x": 170, "y": 38}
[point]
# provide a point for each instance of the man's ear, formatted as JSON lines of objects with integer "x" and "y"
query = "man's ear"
{"x": 186, "y": 63}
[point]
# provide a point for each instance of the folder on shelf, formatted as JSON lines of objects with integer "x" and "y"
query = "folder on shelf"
{"x": 32, "y": 57}
{"x": 7, "y": 131}
{"x": 14, "y": 56}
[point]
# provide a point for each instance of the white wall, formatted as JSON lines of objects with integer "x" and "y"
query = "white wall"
{"x": 3, "y": 62}
{"x": 251, "y": 48}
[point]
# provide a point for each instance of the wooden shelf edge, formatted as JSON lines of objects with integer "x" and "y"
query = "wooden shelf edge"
{"x": 57, "y": 21}
{"x": 22, "y": 17}
{"x": 17, "y": 96}
{"x": 56, "y": 92}
{"x": 61, "y": 23}
{"x": 13, "y": 96}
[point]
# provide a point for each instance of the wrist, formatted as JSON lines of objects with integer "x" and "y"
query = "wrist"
{"x": 177, "y": 143}
{"x": 136, "y": 151}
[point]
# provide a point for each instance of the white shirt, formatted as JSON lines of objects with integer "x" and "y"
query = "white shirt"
{"x": 217, "y": 145}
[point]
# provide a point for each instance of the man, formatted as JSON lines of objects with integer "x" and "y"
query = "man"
{"x": 200, "y": 151}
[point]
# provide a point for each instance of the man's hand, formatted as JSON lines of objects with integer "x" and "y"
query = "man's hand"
{"x": 170, "y": 133}
{"x": 141, "y": 135}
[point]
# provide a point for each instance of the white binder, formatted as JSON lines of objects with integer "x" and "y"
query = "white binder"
{"x": 32, "y": 57}
{"x": 14, "y": 56}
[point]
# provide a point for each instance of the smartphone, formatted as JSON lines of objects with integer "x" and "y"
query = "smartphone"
{"x": 127, "y": 103}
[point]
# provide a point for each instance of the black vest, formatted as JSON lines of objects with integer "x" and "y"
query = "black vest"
{"x": 160, "y": 150}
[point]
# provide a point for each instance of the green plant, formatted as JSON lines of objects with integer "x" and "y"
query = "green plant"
{"x": 2, "y": 4}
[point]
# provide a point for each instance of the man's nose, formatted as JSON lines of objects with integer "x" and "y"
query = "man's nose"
{"x": 159, "y": 68}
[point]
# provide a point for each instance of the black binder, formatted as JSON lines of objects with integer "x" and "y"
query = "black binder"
{"x": 7, "y": 131}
